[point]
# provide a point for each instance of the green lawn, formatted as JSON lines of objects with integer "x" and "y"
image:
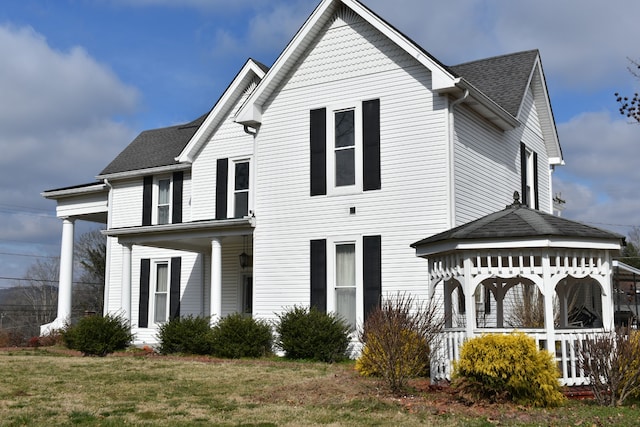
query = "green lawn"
{"x": 42, "y": 388}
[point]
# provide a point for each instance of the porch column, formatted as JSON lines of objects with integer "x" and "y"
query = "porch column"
{"x": 215, "y": 308}
{"x": 126, "y": 282}
{"x": 66, "y": 271}
{"x": 549, "y": 290}
{"x": 469, "y": 300}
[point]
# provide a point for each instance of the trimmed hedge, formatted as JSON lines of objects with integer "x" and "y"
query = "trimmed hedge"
{"x": 237, "y": 336}
{"x": 98, "y": 335}
{"x": 187, "y": 335}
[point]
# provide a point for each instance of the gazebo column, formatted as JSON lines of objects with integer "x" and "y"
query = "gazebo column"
{"x": 469, "y": 300}
{"x": 607, "y": 295}
{"x": 215, "y": 305}
{"x": 549, "y": 290}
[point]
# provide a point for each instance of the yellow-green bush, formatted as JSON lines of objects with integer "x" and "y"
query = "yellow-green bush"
{"x": 411, "y": 358}
{"x": 497, "y": 366}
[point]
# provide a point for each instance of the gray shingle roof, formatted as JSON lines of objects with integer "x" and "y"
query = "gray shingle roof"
{"x": 154, "y": 148}
{"x": 503, "y": 78}
{"x": 519, "y": 221}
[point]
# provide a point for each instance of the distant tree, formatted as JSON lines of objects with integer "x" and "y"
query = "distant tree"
{"x": 630, "y": 106}
{"x": 630, "y": 253}
{"x": 90, "y": 253}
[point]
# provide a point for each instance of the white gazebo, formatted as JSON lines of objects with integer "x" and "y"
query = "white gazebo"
{"x": 523, "y": 269}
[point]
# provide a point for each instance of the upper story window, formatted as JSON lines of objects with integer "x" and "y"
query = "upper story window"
{"x": 233, "y": 188}
{"x": 345, "y": 148}
{"x": 164, "y": 201}
{"x": 529, "y": 176}
{"x": 241, "y": 189}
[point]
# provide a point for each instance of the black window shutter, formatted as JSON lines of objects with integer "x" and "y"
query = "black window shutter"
{"x": 222, "y": 174}
{"x": 371, "y": 144}
{"x": 319, "y": 274}
{"x": 523, "y": 174}
{"x": 318, "y": 140}
{"x": 535, "y": 180}
{"x": 147, "y": 200}
{"x": 176, "y": 215}
{"x": 143, "y": 306}
{"x": 174, "y": 288}
{"x": 372, "y": 273}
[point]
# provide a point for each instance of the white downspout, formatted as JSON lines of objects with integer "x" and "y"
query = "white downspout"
{"x": 452, "y": 195}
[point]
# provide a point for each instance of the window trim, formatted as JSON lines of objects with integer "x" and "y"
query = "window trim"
{"x": 332, "y": 244}
{"x": 231, "y": 185}
{"x": 154, "y": 291}
{"x": 156, "y": 199}
{"x": 332, "y": 110}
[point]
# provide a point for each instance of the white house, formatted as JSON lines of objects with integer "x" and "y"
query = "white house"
{"x": 308, "y": 181}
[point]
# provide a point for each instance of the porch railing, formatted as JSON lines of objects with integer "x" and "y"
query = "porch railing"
{"x": 567, "y": 351}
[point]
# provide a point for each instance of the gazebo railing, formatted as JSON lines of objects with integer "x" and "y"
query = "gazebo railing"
{"x": 568, "y": 343}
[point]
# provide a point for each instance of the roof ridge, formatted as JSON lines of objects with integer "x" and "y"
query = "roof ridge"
{"x": 504, "y": 55}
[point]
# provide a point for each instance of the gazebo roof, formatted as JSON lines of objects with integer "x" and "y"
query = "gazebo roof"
{"x": 517, "y": 222}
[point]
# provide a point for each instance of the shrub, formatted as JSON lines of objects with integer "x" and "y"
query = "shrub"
{"x": 189, "y": 335}
{"x": 612, "y": 362}
{"x": 98, "y": 336}
{"x": 237, "y": 336}
{"x": 497, "y": 366}
{"x": 305, "y": 333}
{"x": 397, "y": 338}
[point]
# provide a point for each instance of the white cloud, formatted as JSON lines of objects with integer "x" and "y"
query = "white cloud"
{"x": 600, "y": 179}
{"x": 57, "y": 128}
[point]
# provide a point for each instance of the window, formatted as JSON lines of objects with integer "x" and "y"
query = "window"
{"x": 529, "y": 176}
{"x": 345, "y": 282}
{"x": 164, "y": 201}
{"x": 345, "y": 148}
{"x": 161, "y": 300}
{"x": 241, "y": 189}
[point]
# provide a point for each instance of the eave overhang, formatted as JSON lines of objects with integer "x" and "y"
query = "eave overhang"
{"x": 143, "y": 172}
{"x": 79, "y": 190}
{"x": 193, "y": 236}
{"x": 449, "y": 246}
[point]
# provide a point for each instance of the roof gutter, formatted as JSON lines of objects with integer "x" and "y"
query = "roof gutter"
{"x": 143, "y": 172}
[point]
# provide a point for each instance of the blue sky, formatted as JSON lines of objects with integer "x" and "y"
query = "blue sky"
{"x": 80, "y": 79}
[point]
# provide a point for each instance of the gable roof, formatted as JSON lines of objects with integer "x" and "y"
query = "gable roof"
{"x": 171, "y": 146}
{"x": 503, "y": 78}
{"x": 516, "y": 223}
{"x": 153, "y": 148}
{"x": 250, "y": 72}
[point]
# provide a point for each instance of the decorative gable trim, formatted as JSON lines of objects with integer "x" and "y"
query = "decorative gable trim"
{"x": 245, "y": 80}
{"x": 251, "y": 112}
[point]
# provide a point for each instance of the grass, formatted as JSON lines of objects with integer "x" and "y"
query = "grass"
{"x": 43, "y": 388}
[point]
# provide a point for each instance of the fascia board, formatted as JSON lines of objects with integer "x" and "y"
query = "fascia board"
{"x": 505, "y": 121}
{"x": 142, "y": 172}
{"x": 569, "y": 243}
{"x": 230, "y": 95}
{"x": 72, "y": 192}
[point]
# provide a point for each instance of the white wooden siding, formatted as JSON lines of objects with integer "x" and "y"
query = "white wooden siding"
{"x": 487, "y": 162}
{"x": 229, "y": 141}
{"x": 350, "y": 62}
{"x": 126, "y": 199}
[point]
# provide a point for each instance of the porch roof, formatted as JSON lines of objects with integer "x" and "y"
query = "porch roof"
{"x": 517, "y": 222}
{"x": 193, "y": 236}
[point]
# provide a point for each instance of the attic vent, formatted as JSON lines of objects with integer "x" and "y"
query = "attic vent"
{"x": 251, "y": 87}
{"x": 345, "y": 15}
